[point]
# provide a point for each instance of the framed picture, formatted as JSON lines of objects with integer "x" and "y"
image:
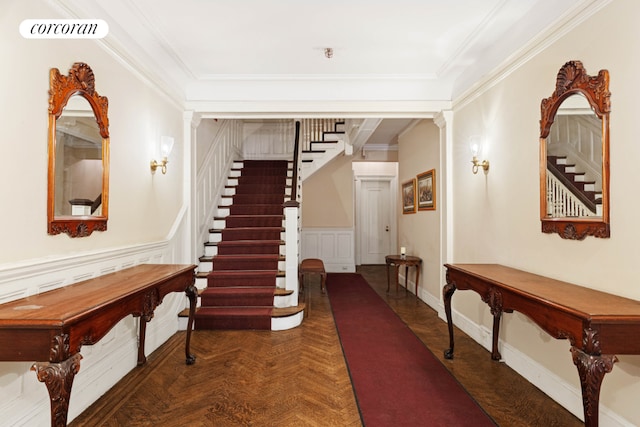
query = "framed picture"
{"x": 409, "y": 196}
{"x": 427, "y": 191}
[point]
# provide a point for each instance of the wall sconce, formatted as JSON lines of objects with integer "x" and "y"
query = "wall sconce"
{"x": 476, "y": 149}
{"x": 166, "y": 145}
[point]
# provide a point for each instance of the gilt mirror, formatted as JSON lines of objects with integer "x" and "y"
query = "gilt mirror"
{"x": 574, "y": 155}
{"x": 78, "y": 190}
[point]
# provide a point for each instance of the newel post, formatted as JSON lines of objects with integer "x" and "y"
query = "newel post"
{"x": 292, "y": 239}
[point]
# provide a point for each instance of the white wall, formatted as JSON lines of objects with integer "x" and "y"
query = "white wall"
{"x": 146, "y": 212}
{"x": 496, "y": 217}
{"x": 142, "y": 206}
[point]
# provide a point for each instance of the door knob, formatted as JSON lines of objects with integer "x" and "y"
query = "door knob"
{"x": 386, "y": 228}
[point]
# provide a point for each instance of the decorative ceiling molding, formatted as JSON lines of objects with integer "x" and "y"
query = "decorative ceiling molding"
{"x": 555, "y": 31}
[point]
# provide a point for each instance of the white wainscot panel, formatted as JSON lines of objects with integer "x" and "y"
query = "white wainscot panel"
{"x": 334, "y": 246}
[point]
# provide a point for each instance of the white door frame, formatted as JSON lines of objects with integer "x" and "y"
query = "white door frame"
{"x": 393, "y": 214}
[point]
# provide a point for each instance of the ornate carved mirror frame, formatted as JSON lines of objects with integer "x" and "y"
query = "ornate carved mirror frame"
{"x": 572, "y": 79}
{"x": 80, "y": 82}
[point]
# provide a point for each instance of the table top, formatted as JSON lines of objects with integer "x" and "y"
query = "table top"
{"x": 407, "y": 259}
{"x": 586, "y": 302}
{"x": 65, "y": 305}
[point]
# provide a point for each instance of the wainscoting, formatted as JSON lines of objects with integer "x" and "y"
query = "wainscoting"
{"x": 334, "y": 246}
{"x": 25, "y": 401}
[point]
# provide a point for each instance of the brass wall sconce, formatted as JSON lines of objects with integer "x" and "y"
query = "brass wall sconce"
{"x": 476, "y": 149}
{"x": 166, "y": 145}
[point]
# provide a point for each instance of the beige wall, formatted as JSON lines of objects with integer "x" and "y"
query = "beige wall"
{"x": 418, "y": 152}
{"x": 142, "y": 206}
{"x": 496, "y": 216}
{"x": 328, "y": 196}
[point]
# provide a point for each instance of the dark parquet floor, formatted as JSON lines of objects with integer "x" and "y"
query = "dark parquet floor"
{"x": 299, "y": 377}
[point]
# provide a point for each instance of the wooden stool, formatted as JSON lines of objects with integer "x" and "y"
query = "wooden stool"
{"x": 311, "y": 266}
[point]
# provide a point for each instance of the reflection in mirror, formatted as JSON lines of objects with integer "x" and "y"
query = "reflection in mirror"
{"x": 574, "y": 155}
{"x": 78, "y": 191}
{"x": 574, "y": 161}
{"x": 78, "y": 161}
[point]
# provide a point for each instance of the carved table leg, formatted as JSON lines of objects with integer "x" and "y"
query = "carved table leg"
{"x": 495, "y": 354}
{"x": 447, "y": 293}
{"x": 142, "y": 359}
{"x": 591, "y": 369}
{"x": 397, "y": 276}
{"x": 58, "y": 377}
{"x": 388, "y": 280}
{"x": 418, "y": 276}
{"x": 406, "y": 279}
{"x": 192, "y": 294}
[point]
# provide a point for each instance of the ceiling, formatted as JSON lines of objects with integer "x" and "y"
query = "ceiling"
{"x": 216, "y": 56}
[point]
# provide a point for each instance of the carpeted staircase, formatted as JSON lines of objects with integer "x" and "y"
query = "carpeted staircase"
{"x": 242, "y": 282}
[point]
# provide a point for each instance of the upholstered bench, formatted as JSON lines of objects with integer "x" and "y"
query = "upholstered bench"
{"x": 311, "y": 266}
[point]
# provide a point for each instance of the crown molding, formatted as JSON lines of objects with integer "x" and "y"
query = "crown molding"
{"x": 559, "y": 28}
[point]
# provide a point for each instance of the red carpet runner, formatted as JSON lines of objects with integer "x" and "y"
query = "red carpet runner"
{"x": 397, "y": 380}
{"x": 241, "y": 285}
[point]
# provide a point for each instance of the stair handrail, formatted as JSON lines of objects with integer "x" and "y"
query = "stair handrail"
{"x": 293, "y": 202}
{"x": 561, "y": 201}
{"x": 576, "y": 192}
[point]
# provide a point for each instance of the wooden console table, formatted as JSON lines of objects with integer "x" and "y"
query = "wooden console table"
{"x": 50, "y": 328}
{"x": 598, "y": 325}
{"x": 407, "y": 261}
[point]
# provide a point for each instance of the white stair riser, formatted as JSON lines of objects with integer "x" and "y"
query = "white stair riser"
{"x": 332, "y": 137}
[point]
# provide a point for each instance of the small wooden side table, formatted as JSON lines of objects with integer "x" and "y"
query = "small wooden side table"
{"x": 407, "y": 261}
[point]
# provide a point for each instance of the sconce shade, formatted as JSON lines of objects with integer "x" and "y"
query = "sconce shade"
{"x": 166, "y": 145}
{"x": 476, "y": 146}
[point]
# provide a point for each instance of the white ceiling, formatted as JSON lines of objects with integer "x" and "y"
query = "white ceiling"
{"x": 214, "y": 54}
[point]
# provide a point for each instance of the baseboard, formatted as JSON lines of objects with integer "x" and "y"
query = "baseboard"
{"x": 564, "y": 393}
{"x": 104, "y": 363}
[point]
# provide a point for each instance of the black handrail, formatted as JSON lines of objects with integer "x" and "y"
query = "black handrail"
{"x": 294, "y": 182}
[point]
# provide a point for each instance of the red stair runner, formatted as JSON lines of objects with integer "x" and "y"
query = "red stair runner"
{"x": 242, "y": 283}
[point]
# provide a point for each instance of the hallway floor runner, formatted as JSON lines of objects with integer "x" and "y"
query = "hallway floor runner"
{"x": 396, "y": 379}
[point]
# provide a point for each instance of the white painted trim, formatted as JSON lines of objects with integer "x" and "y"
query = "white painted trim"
{"x": 393, "y": 215}
{"x": 538, "y": 44}
{"x": 555, "y": 387}
{"x": 334, "y": 246}
{"x": 278, "y": 109}
{"x": 109, "y": 360}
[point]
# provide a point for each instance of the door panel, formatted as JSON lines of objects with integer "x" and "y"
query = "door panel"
{"x": 375, "y": 221}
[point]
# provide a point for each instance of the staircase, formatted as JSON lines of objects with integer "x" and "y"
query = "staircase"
{"x": 244, "y": 258}
{"x": 588, "y": 197}
{"x": 322, "y": 141}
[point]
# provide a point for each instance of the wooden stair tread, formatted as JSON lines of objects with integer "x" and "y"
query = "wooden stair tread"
{"x": 287, "y": 311}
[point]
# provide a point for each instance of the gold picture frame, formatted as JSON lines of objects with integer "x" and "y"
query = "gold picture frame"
{"x": 426, "y": 191}
{"x": 409, "y": 196}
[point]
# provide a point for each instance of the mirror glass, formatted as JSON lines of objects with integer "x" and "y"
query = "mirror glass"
{"x": 79, "y": 168}
{"x": 78, "y": 190}
{"x": 574, "y": 161}
{"x": 574, "y": 155}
